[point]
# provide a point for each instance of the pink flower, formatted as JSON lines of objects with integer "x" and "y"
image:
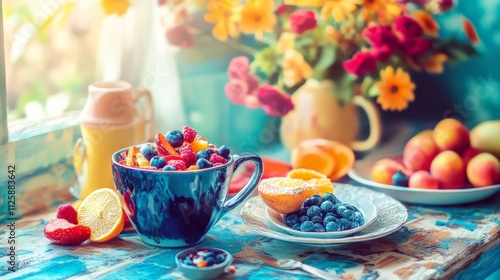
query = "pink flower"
{"x": 382, "y": 53}
{"x": 237, "y": 91}
{"x": 239, "y": 68}
{"x": 283, "y": 9}
{"x": 381, "y": 36}
{"x": 416, "y": 46}
{"x": 302, "y": 21}
{"x": 274, "y": 102}
{"x": 445, "y": 5}
{"x": 408, "y": 27}
{"x": 180, "y": 36}
{"x": 252, "y": 84}
{"x": 361, "y": 64}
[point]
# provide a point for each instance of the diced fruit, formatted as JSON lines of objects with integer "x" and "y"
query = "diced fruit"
{"x": 102, "y": 212}
{"x": 419, "y": 152}
{"x": 483, "y": 170}
{"x": 450, "y": 134}
{"x": 448, "y": 168}
{"x": 68, "y": 213}
{"x": 400, "y": 179}
{"x": 62, "y": 232}
{"x": 422, "y": 179}
{"x": 199, "y": 144}
{"x": 283, "y": 195}
{"x": 162, "y": 142}
{"x": 304, "y": 174}
{"x": 189, "y": 134}
{"x": 383, "y": 170}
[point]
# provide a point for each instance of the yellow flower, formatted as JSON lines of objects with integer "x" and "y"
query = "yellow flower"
{"x": 225, "y": 15}
{"x": 118, "y": 7}
{"x": 339, "y": 9}
{"x": 295, "y": 68}
{"x": 286, "y": 41}
{"x": 305, "y": 3}
{"x": 396, "y": 89}
{"x": 435, "y": 64}
{"x": 428, "y": 24}
{"x": 390, "y": 11}
{"x": 257, "y": 16}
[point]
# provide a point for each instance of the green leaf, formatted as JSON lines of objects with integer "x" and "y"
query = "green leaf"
{"x": 373, "y": 91}
{"x": 327, "y": 57}
{"x": 366, "y": 85}
{"x": 343, "y": 88}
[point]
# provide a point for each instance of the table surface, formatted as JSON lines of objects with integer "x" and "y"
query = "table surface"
{"x": 460, "y": 242}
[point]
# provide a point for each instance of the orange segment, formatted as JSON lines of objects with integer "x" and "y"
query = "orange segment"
{"x": 312, "y": 157}
{"x": 319, "y": 186}
{"x": 305, "y": 174}
{"x": 283, "y": 195}
{"x": 102, "y": 212}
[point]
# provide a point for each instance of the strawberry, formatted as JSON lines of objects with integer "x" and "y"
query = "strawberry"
{"x": 68, "y": 213}
{"x": 63, "y": 232}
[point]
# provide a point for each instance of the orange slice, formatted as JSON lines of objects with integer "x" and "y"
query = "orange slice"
{"x": 312, "y": 157}
{"x": 305, "y": 174}
{"x": 283, "y": 195}
{"x": 319, "y": 186}
{"x": 102, "y": 212}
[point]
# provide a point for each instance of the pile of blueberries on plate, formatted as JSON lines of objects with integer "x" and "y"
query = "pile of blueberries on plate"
{"x": 324, "y": 214}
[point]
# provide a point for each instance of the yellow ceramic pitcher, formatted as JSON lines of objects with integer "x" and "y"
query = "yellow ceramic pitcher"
{"x": 109, "y": 121}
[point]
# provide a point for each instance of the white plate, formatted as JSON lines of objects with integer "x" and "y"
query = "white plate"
{"x": 391, "y": 215}
{"x": 365, "y": 206}
{"x": 361, "y": 173}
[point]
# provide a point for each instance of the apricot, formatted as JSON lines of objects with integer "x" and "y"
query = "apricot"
{"x": 419, "y": 152}
{"x": 283, "y": 195}
{"x": 483, "y": 170}
{"x": 469, "y": 154}
{"x": 448, "y": 168}
{"x": 450, "y": 134}
{"x": 383, "y": 170}
{"x": 422, "y": 179}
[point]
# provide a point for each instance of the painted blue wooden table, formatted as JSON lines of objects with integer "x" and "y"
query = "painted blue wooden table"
{"x": 436, "y": 242}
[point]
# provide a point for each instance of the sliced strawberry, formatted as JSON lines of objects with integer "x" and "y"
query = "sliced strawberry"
{"x": 172, "y": 157}
{"x": 62, "y": 232}
{"x": 67, "y": 212}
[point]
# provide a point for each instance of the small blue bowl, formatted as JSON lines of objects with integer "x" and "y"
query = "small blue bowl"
{"x": 209, "y": 272}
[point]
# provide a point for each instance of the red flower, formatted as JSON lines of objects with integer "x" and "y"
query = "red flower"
{"x": 180, "y": 36}
{"x": 416, "y": 46}
{"x": 361, "y": 64}
{"x": 283, "y": 9}
{"x": 382, "y": 53}
{"x": 274, "y": 102}
{"x": 239, "y": 68}
{"x": 302, "y": 21}
{"x": 381, "y": 36}
{"x": 408, "y": 27}
{"x": 445, "y": 5}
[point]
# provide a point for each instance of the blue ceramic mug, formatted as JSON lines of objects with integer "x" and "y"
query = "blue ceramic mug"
{"x": 178, "y": 208}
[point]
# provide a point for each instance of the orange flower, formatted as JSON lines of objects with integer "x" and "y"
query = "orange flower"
{"x": 339, "y": 9}
{"x": 435, "y": 64}
{"x": 470, "y": 31}
{"x": 225, "y": 15}
{"x": 390, "y": 11}
{"x": 428, "y": 24}
{"x": 396, "y": 89}
{"x": 295, "y": 68}
{"x": 118, "y": 7}
{"x": 257, "y": 16}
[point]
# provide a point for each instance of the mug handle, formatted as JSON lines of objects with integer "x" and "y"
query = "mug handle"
{"x": 138, "y": 94}
{"x": 241, "y": 195}
{"x": 374, "y": 122}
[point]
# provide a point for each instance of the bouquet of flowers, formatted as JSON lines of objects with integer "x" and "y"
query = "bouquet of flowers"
{"x": 368, "y": 45}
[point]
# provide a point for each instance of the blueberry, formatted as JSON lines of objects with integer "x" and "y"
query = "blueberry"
{"x": 303, "y": 218}
{"x": 331, "y": 226}
{"x": 358, "y": 218}
{"x": 330, "y": 214}
{"x": 302, "y": 211}
{"x": 319, "y": 227}
{"x": 339, "y": 209}
{"x": 291, "y": 220}
{"x": 348, "y": 214}
{"x": 148, "y": 151}
{"x": 314, "y": 211}
{"x": 203, "y": 163}
{"x": 316, "y": 200}
{"x": 296, "y": 227}
{"x": 202, "y": 154}
{"x": 354, "y": 225}
{"x": 168, "y": 168}
{"x": 175, "y": 138}
{"x": 317, "y": 219}
{"x": 210, "y": 151}
{"x": 329, "y": 219}
{"x": 400, "y": 179}
{"x": 210, "y": 260}
{"x": 344, "y": 224}
{"x": 327, "y": 206}
{"x": 158, "y": 162}
{"x": 224, "y": 152}
{"x": 307, "y": 226}
{"x": 331, "y": 197}
{"x": 351, "y": 207}
{"x": 219, "y": 258}
{"x": 209, "y": 254}
{"x": 307, "y": 202}
{"x": 187, "y": 261}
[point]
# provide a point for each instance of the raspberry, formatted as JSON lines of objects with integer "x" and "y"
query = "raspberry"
{"x": 178, "y": 164}
{"x": 189, "y": 134}
{"x": 68, "y": 213}
{"x": 215, "y": 158}
{"x": 187, "y": 154}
